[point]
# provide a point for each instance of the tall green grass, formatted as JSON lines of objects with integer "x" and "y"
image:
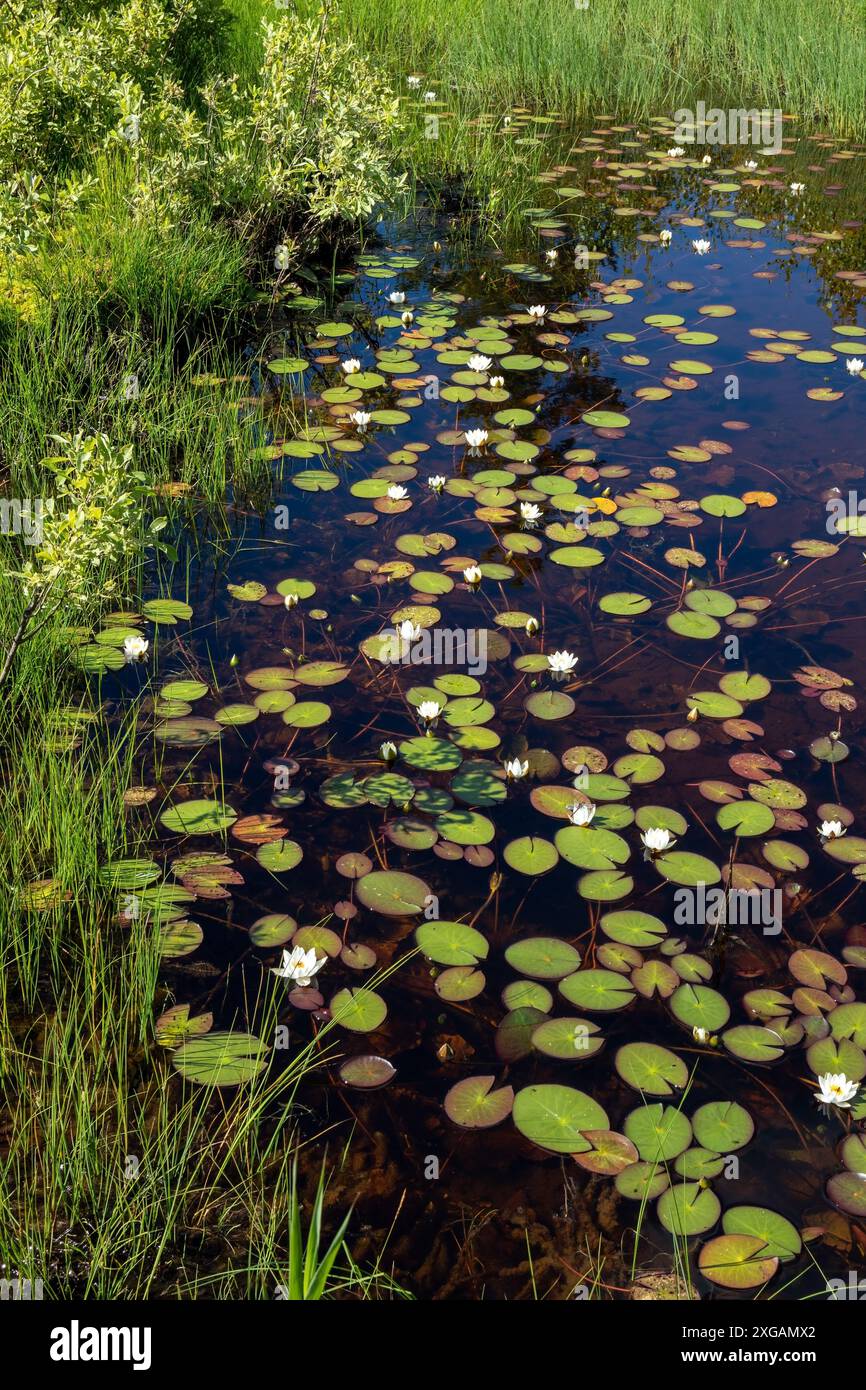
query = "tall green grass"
{"x": 626, "y": 57}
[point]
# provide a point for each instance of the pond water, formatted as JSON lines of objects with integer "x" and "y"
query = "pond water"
{"x": 679, "y": 417}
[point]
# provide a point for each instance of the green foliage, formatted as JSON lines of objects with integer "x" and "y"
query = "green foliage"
{"x": 90, "y": 525}
{"x": 116, "y": 122}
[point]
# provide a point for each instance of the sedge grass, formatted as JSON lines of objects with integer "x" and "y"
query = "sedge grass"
{"x": 624, "y": 56}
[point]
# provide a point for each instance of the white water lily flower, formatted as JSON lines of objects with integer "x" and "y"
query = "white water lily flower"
{"x": 429, "y": 710}
{"x": 551, "y": 255}
{"x": 409, "y": 631}
{"x": 351, "y": 365}
{"x": 396, "y": 297}
{"x": 476, "y": 439}
{"x": 581, "y": 813}
{"x": 299, "y": 966}
{"x": 707, "y": 159}
{"x": 537, "y": 311}
{"x": 532, "y": 626}
{"x": 472, "y": 574}
{"x": 750, "y": 164}
{"x": 562, "y": 662}
{"x": 497, "y": 382}
{"x": 515, "y": 769}
{"x": 797, "y": 189}
{"x": 135, "y": 649}
{"x": 836, "y": 1089}
{"x": 701, "y": 1035}
{"x": 665, "y": 237}
{"x": 479, "y": 363}
{"x": 397, "y": 492}
{"x": 361, "y": 418}
{"x": 530, "y": 513}
{"x": 413, "y": 82}
{"x": 675, "y": 152}
{"x": 429, "y": 96}
{"x": 657, "y": 840}
{"x": 388, "y": 752}
{"x": 291, "y": 600}
{"x": 831, "y": 829}
{"x": 407, "y": 317}
{"x": 282, "y": 257}
{"x": 702, "y": 246}
{"x": 436, "y": 483}
{"x": 854, "y": 365}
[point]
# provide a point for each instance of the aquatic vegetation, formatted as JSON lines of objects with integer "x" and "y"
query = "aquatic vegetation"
{"x": 82, "y": 536}
{"x": 468, "y": 693}
{"x": 653, "y": 772}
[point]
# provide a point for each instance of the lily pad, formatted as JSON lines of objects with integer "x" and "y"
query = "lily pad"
{"x": 553, "y": 1117}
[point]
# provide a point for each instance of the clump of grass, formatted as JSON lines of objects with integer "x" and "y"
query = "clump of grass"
{"x": 625, "y": 56}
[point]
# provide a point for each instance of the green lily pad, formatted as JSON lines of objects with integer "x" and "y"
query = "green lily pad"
{"x": 567, "y": 1039}
{"x": 553, "y": 1117}
{"x": 603, "y": 991}
{"x": 394, "y": 894}
{"x": 722, "y": 1125}
{"x": 687, "y": 1209}
{"x": 752, "y": 1043}
{"x": 632, "y": 928}
{"x": 745, "y": 817}
{"x": 198, "y": 817}
{"x": 651, "y": 1069}
{"x": 589, "y": 848}
{"x": 543, "y": 957}
{"x": 681, "y": 866}
{"x": 659, "y": 1132}
{"x": 698, "y": 1006}
{"x": 781, "y": 1240}
{"x": 279, "y": 856}
{"x": 737, "y": 1262}
{"x": 641, "y": 1181}
{"x": 624, "y": 604}
{"x": 474, "y": 1104}
{"x": 359, "y": 1010}
{"x": 166, "y": 610}
{"x": 450, "y": 943}
{"x": 221, "y": 1059}
{"x": 460, "y": 982}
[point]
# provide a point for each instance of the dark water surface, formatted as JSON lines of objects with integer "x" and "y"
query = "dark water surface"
{"x": 737, "y": 421}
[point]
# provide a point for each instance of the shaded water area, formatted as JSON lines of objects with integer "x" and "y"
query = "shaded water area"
{"x": 679, "y": 419}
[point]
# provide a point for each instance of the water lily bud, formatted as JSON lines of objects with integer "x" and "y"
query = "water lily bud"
{"x": 532, "y": 626}
{"x": 234, "y": 660}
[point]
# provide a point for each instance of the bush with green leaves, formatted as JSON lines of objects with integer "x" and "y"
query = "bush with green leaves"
{"x": 302, "y": 144}
{"x": 90, "y": 528}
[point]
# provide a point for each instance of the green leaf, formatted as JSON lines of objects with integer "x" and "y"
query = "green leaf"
{"x": 359, "y": 1010}
{"x": 651, "y": 1069}
{"x": 451, "y": 943}
{"x": 687, "y": 1209}
{"x": 553, "y": 1117}
{"x": 221, "y": 1059}
{"x": 780, "y": 1239}
{"x": 543, "y": 957}
{"x": 473, "y": 1104}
